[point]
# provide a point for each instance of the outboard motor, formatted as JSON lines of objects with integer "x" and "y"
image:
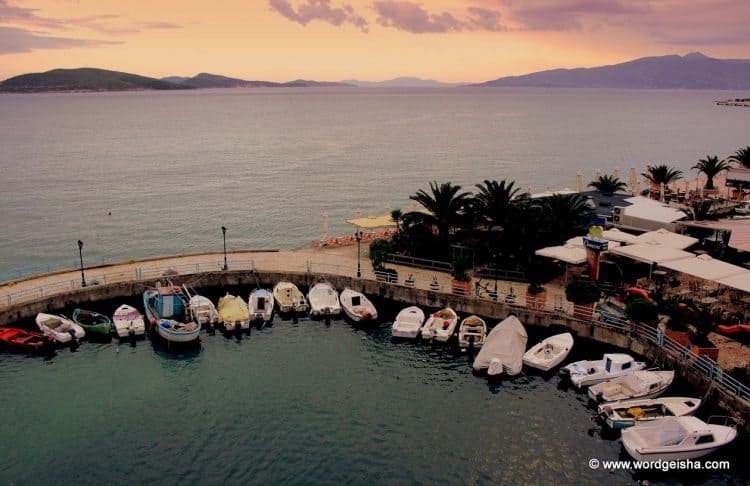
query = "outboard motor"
{"x": 74, "y": 344}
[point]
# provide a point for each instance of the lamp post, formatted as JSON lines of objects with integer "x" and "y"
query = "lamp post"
{"x": 80, "y": 255}
{"x": 358, "y": 236}
{"x": 224, "y": 234}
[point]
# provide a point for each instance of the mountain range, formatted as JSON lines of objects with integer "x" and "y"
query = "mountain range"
{"x": 401, "y": 82}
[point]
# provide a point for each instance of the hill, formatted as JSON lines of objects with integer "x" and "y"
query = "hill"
{"x": 693, "y": 71}
{"x": 83, "y": 79}
{"x": 402, "y": 82}
{"x": 208, "y": 80}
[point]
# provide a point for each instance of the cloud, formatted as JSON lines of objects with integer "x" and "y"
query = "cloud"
{"x": 319, "y": 10}
{"x": 15, "y": 40}
{"x": 569, "y": 14}
{"x": 412, "y": 17}
{"x": 27, "y": 16}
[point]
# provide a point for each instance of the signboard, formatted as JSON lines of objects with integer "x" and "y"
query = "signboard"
{"x": 596, "y": 244}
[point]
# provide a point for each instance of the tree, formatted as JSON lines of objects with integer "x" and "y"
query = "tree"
{"x": 565, "y": 216}
{"x": 711, "y": 166}
{"x": 608, "y": 184}
{"x": 700, "y": 210}
{"x": 493, "y": 200}
{"x": 741, "y": 157}
{"x": 662, "y": 174}
{"x": 446, "y": 207}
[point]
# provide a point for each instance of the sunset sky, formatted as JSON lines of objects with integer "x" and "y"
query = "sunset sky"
{"x": 280, "y": 40}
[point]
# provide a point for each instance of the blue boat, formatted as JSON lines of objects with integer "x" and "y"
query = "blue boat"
{"x": 166, "y": 312}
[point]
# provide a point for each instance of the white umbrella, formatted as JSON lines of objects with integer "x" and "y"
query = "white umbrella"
{"x": 579, "y": 182}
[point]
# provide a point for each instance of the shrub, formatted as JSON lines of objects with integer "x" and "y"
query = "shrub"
{"x": 641, "y": 310}
{"x": 581, "y": 291}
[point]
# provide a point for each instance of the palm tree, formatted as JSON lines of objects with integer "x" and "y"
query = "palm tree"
{"x": 493, "y": 200}
{"x": 608, "y": 184}
{"x": 700, "y": 210}
{"x": 662, "y": 174}
{"x": 711, "y": 166}
{"x": 445, "y": 205}
{"x": 565, "y": 216}
{"x": 742, "y": 157}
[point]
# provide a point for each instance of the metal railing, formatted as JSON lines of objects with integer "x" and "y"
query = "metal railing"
{"x": 415, "y": 262}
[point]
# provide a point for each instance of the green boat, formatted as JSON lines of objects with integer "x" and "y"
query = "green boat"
{"x": 95, "y": 324}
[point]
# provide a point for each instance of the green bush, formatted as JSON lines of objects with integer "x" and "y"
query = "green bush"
{"x": 534, "y": 288}
{"x": 581, "y": 291}
{"x": 379, "y": 250}
{"x": 641, "y": 310}
{"x": 461, "y": 265}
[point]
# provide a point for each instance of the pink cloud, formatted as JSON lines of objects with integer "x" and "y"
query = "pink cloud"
{"x": 319, "y": 10}
{"x": 413, "y": 17}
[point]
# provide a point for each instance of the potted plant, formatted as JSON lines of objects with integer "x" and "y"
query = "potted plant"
{"x": 679, "y": 314}
{"x": 379, "y": 250}
{"x": 584, "y": 294}
{"x": 699, "y": 331}
{"x": 461, "y": 282}
{"x": 536, "y": 296}
{"x": 639, "y": 309}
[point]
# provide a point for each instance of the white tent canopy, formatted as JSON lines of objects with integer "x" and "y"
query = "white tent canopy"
{"x": 573, "y": 254}
{"x": 651, "y": 253}
{"x": 707, "y": 268}
{"x": 648, "y": 209}
{"x": 667, "y": 238}
{"x": 616, "y": 235}
{"x": 739, "y": 282}
{"x": 578, "y": 241}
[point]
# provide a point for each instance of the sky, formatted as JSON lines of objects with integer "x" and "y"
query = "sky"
{"x": 331, "y": 40}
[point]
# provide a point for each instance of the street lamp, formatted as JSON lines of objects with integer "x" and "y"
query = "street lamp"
{"x": 224, "y": 233}
{"x": 358, "y": 236}
{"x": 80, "y": 255}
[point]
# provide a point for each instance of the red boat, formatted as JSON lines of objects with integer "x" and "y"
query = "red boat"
{"x": 22, "y": 340}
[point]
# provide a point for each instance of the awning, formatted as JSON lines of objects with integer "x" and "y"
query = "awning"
{"x": 616, "y": 235}
{"x": 705, "y": 267}
{"x": 648, "y": 209}
{"x": 578, "y": 241}
{"x": 739, "y": 282}
{"x": 651, "y": 253}
{"x": 573, "y": 254}
{"x": 740, "y": 228}
{"x": 667, "y": 238}
{"x": 372, "y": 222}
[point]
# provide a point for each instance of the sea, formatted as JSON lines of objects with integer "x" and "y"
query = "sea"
{"x": 304, "y": 402}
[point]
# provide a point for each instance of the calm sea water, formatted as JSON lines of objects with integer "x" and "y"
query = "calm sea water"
{"x": 300, "y": 402}
{"x": 172, "y": 168}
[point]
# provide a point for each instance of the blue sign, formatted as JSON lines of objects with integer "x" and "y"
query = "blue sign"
{"x": 596, "y": 244}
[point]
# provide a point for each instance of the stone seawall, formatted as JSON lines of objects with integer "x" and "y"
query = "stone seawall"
{"x": 715, "y": 395}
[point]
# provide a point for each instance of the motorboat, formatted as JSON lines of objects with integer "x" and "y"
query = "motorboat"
{"x": 549, "y": 352}
{"x": 234, "y": 313}
{"x": 260, "y": 305}
{"x": 472, "y": 332}
{"x": 503, "y": 349}
{"x": 357, "y": 306}
{"x": 613, "y": 365}
{"x": 624, "y": 414}
{"x": 441, "y": 325}
{"x": 289, "y": 298}
{"x": 676, "y": 438}
{"x": 408, "y": 323}
{"x": 200, "y": 308}
{"x": 61, "y": 329}
{"x": 127, "y": 321}
{"x": 324, "y": 300}
{"x": 639, "y": 384}
{"x": 96, "y": 325}
{"x": 166, "y": 311}
{"x": 16, "y": 339}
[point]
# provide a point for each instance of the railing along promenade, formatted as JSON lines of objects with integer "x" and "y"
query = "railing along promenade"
{"x": 438, "y": 283}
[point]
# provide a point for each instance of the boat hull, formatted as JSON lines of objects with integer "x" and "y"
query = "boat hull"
{"x": 178, "y": 336}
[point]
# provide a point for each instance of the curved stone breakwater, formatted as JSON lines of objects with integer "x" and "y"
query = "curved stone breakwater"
{"x": 632, "y": 340}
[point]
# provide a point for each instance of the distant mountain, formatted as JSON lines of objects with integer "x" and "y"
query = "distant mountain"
{"x": 208, "y": 80}
{"x": 83, "y": 79}
{"x": 693, "y": 71}
{"x": 402, "y": 82}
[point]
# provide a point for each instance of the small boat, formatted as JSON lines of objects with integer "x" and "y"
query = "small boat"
{"x": 621, "y": 415}
{"x": 440, "y": 325}
{"x": 127, "y": 321}
{"x": 613, "y": 365}
{"x": 324, "y": 300}
{"x": 639, "y": 384}
{"x": 260, "y": 304}
{"x": 357, "y": 307}
{"x": 472, "y": 332}
{"x": 289, "y": 298}
{"x": 95, "y": 324}
{"x": 59, "y": 328}
{"x": 201, "y": 309}
{"x": 503, "y": 349}
{"x": 234, "y": 313}
{"x": 166, "y": 312}
{"x": 550, "y": 352}
{"x": 408, "y": 323}
{"x": 21, "y": 340}
{"x": 675, "y": 438}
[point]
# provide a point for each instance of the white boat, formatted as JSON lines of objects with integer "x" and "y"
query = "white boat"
{"x": 549, "y": 352}
{"x": 289, "y": 298}
{"x": 357, "y": 306}
{"x": 178, "y": 332}
{"x": 59, "y": 328}
{"x": 639, "y": 384}
{"x": 127, "y": 321}
{"x": 503, "y": 349}
{"x": 202, "y": 310}
{"x": 440, "y": 325}
{"x": 472, "y": 331}
{"x": 621, "y": 415}
{"x": 324, "y": 300}
{"x": 234, "y": 313}
{"x": 260, "y": 305}
{"x": 408, "y": 323}
{"x": 586, "y": 372}
{"x": 166, "y": 307}
{"x": 675, "y": 438}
